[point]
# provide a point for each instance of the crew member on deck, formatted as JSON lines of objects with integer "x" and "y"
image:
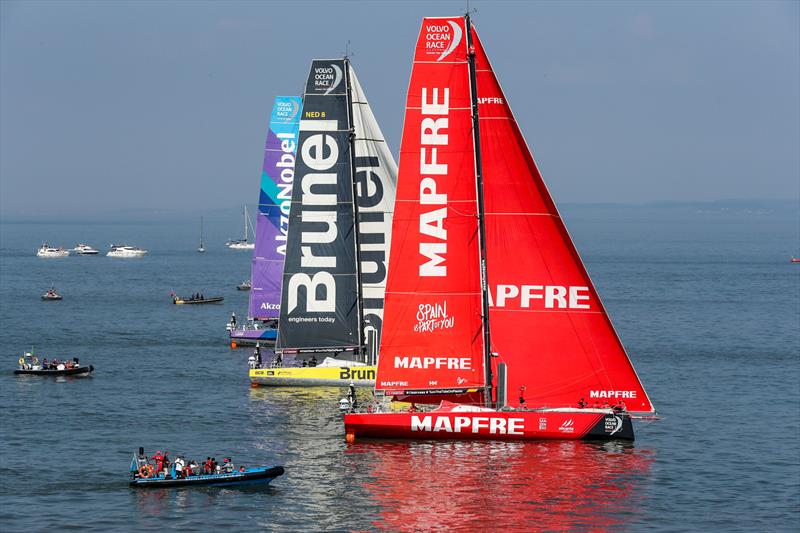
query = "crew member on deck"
{"x": 313, "y": 361}
{"x": 233, "y": 320}
{"x": 522, "y": 397}
{"x": 582, "y": 403}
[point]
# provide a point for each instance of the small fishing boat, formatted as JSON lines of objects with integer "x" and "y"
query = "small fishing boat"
{"x": 48, "y": 251}
{"x": 795, "y": 259}
{"x": 244, "y": 286}
{"x": 143, "y": 475}
{"x": 51, "y": 294}
{"x": 195, "y": 299}
{"x": 85, "y": 249}
{"x": 29, "y": 365}
{"x": 122, "y": 250}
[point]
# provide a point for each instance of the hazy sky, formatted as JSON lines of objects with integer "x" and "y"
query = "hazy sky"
{"x": 107, "y": 105}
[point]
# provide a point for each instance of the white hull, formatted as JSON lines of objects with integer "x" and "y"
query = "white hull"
{"x": 85, "y": 249}
{"x": 126, "y": 251}
{"x": 241, "y": 246}
{"x": 126, "y": 254}
{"x": 46, "y": 251}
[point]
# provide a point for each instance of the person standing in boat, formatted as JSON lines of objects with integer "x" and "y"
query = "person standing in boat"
{"x": 159, "y": 459}
{"x": 313, "y": 361}
{"x": 351, "y": 396}
{"x": 233, "y": 321}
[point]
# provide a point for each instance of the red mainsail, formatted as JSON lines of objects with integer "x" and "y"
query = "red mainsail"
{"x": 548, "y": 324}
{"x": 432, "y": 340}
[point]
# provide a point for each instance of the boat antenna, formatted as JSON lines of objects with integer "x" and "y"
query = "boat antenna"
{"x": 347, "y": 54}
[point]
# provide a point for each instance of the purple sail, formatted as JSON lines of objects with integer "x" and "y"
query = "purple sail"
{"x": 274, "y": 201}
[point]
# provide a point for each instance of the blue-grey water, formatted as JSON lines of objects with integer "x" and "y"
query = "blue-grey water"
{"x": 706, "y": 303}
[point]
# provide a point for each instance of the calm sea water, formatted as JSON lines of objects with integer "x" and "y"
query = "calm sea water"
{"x": 707, "y": 305}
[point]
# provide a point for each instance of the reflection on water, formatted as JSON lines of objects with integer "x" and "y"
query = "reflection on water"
{"x": 503, "y": 485}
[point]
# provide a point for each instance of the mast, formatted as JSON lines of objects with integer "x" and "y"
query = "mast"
{"x": 356, "y": 228}
{"x": 201, "y": 232}
{"x": 473, "y": 89}
{"x": 244, "y": 219}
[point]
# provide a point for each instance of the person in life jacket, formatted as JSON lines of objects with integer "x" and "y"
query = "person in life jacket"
{"x": 620, "y": 406}
{"x": 207, "y": 468}
{"x": 582, "y": 403}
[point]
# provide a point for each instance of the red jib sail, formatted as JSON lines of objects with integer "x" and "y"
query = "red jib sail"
{"x": 547, "y": 322}
{"x": 432, "y": 341}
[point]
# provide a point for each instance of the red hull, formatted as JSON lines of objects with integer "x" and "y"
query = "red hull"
{"x": 573, "y": 424}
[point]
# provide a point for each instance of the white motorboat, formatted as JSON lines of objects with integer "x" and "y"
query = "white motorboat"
{"x": 48, "y": 251}
{"x": 122, "y": 250}
{"x": 85, "y": 249}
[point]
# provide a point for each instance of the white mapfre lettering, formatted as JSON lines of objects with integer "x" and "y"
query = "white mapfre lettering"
{"x": 433, "y": 135}
{"x": 630, "y": 394}
{"x": 438, "y": 363}
{"x": 546, "y": 296}
{"x": 468, "y": 424}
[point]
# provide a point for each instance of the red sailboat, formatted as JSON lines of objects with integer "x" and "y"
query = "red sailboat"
{"x": 489, "y": 311}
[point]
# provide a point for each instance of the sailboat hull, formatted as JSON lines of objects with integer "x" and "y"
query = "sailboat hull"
{"x": 246, "y": 337}
{"x": 318, "y": 376}
{"x": 562, "y": 424}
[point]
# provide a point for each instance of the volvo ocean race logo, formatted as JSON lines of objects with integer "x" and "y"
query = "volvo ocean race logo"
{"x": 613, "y": 424}
{"x": 432, "y": 317}
{"x": 442, "y": 39}
{"x": 327, "y": 79}
{"x": 286, "y": 111}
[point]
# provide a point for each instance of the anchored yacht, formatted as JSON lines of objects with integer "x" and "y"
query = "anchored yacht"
{"x": 121, "y": 250}
{"x": 48, "y": 251}
{"x": 85, "y": 249}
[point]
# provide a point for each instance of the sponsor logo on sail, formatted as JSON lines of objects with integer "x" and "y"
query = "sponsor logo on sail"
{"x": 286, "y": 110}
{"x": 319, "y": 153}
{"x": 490, "y": 100}
{"x": 433, "y": 212}
{"x": 326, "y": 79}
{"x": 442, "y": 39}
{"x": 468, "y": 424}
{"x": 266, "y": 306}
{"x": 285, "y": 168}
{"x": 374, "y": 232}
{"x": 540, "y": 296}
{"x": 615, "y": 394}
{"x": 433, "y": 317}
{"x": 567, "y": 427}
